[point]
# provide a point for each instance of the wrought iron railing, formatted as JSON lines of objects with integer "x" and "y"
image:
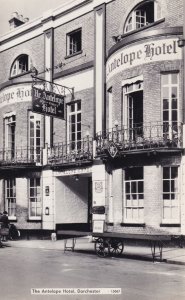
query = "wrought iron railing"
{"x": 72, "y": 152}
{"x": 142, "y": 137}
{"x": 20, "y": 156}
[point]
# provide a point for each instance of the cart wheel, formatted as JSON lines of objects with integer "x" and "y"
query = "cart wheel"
{"x": 116, "y": 247}
{"x": 102, "y": 247}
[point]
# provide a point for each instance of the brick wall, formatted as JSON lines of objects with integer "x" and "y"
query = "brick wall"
{"x": 87, "y": 107}
{"x": 34, "y": 48}
{"x": 86, "y": 22}
{"x": 22, "y": 124}
{"x": 172, "y": 12}
{"x": 151, "y": 89}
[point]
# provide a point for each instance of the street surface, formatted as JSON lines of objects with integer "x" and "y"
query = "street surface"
{"x": 23, "y": 268}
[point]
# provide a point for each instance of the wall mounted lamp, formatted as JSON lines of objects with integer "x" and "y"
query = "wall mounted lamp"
{"x": 76, "y": 177}
{"x": 116, "y": 123}
{"x": 116, "y": 38}
{"x": 47, "y": 211}
{"x": 47, "y": 190}
{"x": 181, "y": 43}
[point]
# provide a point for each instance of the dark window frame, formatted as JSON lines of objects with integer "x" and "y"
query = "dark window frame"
{"x": 70, "y": 35}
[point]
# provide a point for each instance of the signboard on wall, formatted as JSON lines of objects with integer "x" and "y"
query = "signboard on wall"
{"x": 48, "y": 103}
{"x": 99, "y": 210}
{"x": 143, "y": 53}
{"x": 15, "y": 94}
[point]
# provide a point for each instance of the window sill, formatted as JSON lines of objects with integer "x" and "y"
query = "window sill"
{"x": 74, "y": 54}
{"x": 172, "y": 224}
{"x": 12, "y": 219}
{"x": 34, "y": 220}
{"x": 110, "y": 224}
{"x": 19, "y": 75}
{"x": 133, "y": 224}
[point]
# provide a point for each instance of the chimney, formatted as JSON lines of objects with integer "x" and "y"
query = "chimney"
{"x": 17, "y": 20}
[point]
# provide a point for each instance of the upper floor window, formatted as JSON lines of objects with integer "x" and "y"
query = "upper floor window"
{"x": 170, "y": 194}
{"x": 74, "y": 125}
{"x": 74, "y": 42}
{"x": 35, "y": 198}
{"x": 170, "y": 92}
{"x": 133, "y": 113}
{"x": 20, "y": 65}
{"x": 144, "y": 14}
{"x": 35, "y": 137}
{"x": 10, "y": 126}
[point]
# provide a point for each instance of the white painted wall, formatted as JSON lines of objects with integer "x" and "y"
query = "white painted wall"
{"x": 80, "y": 81}
{"x": 71, "y": 199}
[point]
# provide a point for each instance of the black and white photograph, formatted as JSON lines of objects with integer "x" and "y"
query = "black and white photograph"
{"x": 92, "y": 149}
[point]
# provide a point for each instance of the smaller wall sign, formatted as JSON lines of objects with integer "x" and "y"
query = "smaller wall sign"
{"x": 98, "y": 186}
{"x": 100, "y": 210}
{"x": 47, "y": 190}
{"x": 98, "y": 226}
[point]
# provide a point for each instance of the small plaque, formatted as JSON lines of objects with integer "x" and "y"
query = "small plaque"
{"x": 112, "y": 149}
{"x": 98, "y": 226}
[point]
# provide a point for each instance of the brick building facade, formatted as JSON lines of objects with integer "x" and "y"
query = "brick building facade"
{"x": 119, "y": 151}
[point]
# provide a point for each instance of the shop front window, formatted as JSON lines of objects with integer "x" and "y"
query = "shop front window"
{"x": 34, "y": 198}
{"x": 170, "y": 194}
{"x": 10, "y": 126}
{"x": 10, "y": 197}
{"x": 134, "y": 195}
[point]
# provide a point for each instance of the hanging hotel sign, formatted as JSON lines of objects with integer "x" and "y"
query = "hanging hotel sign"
{"x": 147, "y": 52}
{"x": 48, "y": 103}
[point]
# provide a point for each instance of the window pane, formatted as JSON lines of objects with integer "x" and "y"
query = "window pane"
{"x": 140, "y": 187}
{"x": 165, "y": 79}
{"x": 174, "y": 172}
{"x": 174, "y": 115}
{"x": 78, "y": 117}
{"x": 166, "y": 172}
{"x": 174, "y": 78}
{"x": 72, "y": 107}
{"x": 73, "y": 119}
{"x": 73, "y": 128}
{"x": 127, "y": 187}
{"x": 165, "y": 104}
{"x": 165, "y": 92}
{"x": 175, "y": 213}
{"x": 79, "y": 136}
{"x": 174, "y": 92}
{"x": 78, "y": 126}
{"x": 78, "y": 105}
{"x": 167, "y": 213}
{"x": 165, "y": 115}
{"x": 174, "y": 103}
{"x": 166, "y": 186}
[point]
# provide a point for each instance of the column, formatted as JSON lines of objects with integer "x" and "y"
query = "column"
{"x": 48, "y": 217}
{"x": 99, "y": 73}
